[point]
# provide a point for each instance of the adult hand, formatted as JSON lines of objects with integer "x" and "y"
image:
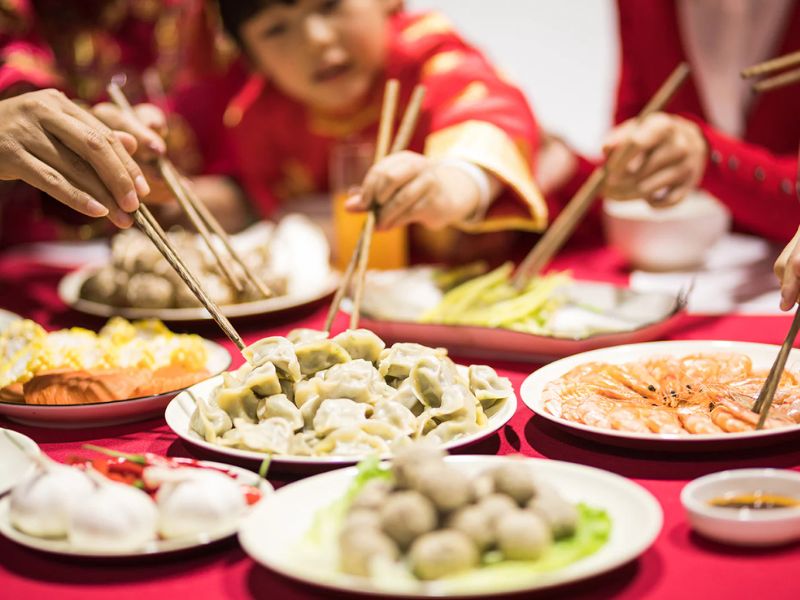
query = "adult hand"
{"x": 787, "y": 270}
{"x": 666, "y": 159}
{"x": 54, "y": 145}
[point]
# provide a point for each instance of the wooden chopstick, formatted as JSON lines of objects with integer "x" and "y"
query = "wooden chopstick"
{"x": 764, "y": 400}
{"x": 566, "y": 222}
{"x": 778, "y": 81}
{"x": 170, "y": 175}
{"x": 388, "y": 110}
{"x": 403, "y": 138}
{"x": 215, "y": 226}
{"x": 147, "y": 223}
{"x": 770, "y": 66}
{"x": 401, "y": 142}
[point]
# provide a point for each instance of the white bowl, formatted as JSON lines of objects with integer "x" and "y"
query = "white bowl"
{"x": 665, "y": 239}
{"x": 744, "y": 526}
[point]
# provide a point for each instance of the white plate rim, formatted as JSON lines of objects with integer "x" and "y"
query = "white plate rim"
{"x": 69, "y": 292}
{"x": 177, "y": 411}
{"x": 648, "y": 532}
{"x": 158, "y": 548}
{"x": 30, "y": 446}
{"x": 219, "y": 359}
{"x": 530, "y": 391}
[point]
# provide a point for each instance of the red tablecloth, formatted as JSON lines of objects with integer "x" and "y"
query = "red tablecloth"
{"x": 679, "y": 565}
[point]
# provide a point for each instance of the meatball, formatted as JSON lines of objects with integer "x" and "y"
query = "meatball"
{"x": 407, "y": 515}
{"x": 408, "y": 462}
{"x": 482, "y": 486}
{"x": 561, "y": 516}
{"x": 101, "y": 287}
{"x": 359, "y": 547}
{"x": 523, "y": 535}
{"x": 496, "y": 506}
{"x": 442, "y": 553}
{"x": 362, "y": 518}
{"x": 515, "y": 479}
{"x": 372, "y": 496}
{"x": 149, "y": 291}
{"x": 445, "y": 486}
{"x": 475, "y": 523}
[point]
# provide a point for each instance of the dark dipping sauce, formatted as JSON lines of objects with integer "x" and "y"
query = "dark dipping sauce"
{"x": 756, "y": 500}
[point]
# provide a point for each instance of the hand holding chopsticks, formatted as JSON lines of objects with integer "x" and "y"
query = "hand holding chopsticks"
{"x": 566, "y": 222}
{"x": 358, "y": 262}
{"x": 198, "y": 213}
{"x": 147, "y": 223}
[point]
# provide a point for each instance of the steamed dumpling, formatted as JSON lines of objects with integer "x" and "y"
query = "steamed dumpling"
{"x": 116, "y": 517}
{"x": 209, "y": 420}
{"x": 302, "y": 334}
{"x": 398, "y": 360}
{"x": 338, "y": 413}
{"x": 489, "y": 388}
{"x": 281, "y": 407}
{"x": 319, "y": 355}
{"x": 41, "y": 502}
{"x": 193, "y": 501}
{"x": 271, "y": 436}
{"x": 277, "y": 350}
{"x": 429, "y": 378}
{"x": 361, "y": 343}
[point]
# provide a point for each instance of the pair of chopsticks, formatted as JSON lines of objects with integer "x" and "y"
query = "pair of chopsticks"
{"x": 198, "y": 213}
{"x": 767, "y": 393}
{"x": 566, "y": 222}
{"x": 774, "y": 82}
{"x": 145, "y": 220}
{"x": 358, "y": 261}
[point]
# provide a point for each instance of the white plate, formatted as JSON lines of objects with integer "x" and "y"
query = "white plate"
{"x": 272, "y": 539}
{"x": 180, "y": 409}
{"x": 70, "y": 285}
{"x": 14, "y": 462}
{"x": 106, "y": 413}
{"x": 6, "y": 318}
{"x": 596, "y": 315}
{"x": 762, "y": 356}
{"x": 156, "y": 547}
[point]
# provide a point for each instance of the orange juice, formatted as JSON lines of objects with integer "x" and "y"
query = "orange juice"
{"x": 389, "y": 249}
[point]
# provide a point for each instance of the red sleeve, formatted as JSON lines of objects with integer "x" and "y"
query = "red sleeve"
{"x": 26, "y": 61}
{"x": 756, "y": 184}
{"x": 473, "y": 113}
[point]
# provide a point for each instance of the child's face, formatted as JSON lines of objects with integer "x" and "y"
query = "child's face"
{"x": 324, "y": 53}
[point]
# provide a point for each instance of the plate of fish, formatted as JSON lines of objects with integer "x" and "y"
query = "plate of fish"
{"x": 124, "y": 505}
{"x": 136, "y": 282}
{"x": 313, "y": 402}
{"x": 474, "y": 312}
{"x": 676, "y": 395}
{"x": 75, "y": 377}
{"x": 464, "y": 526}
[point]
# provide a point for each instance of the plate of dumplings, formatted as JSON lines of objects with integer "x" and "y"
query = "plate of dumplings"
{"x": 117, "y": 507}
{"x": 310, "y": 401}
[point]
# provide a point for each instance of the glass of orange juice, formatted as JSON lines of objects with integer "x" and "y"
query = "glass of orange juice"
{"x": 349, "y": 163}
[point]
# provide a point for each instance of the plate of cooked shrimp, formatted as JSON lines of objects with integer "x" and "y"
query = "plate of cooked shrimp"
{"x": 668, "y": 395}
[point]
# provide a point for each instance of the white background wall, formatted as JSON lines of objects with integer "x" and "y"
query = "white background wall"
{"x": 562, "y": 53}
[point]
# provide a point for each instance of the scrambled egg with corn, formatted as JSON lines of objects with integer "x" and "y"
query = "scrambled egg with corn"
{"x": 27, "y": 349}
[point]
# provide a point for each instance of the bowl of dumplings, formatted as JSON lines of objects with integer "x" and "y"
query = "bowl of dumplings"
{"x": 309, "y": 400}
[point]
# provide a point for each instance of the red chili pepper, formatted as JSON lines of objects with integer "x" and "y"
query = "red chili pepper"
{"x": 251, "y": 494}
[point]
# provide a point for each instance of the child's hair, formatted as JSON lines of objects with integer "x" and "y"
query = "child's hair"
{"x": 235, "y": 13}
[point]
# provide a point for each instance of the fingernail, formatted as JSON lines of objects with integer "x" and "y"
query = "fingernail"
{"x": 141, "y": 185}
{"x": 157, "y": 146}
{"x": 96, "y": 209}
{"x": 130, "y": 201}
